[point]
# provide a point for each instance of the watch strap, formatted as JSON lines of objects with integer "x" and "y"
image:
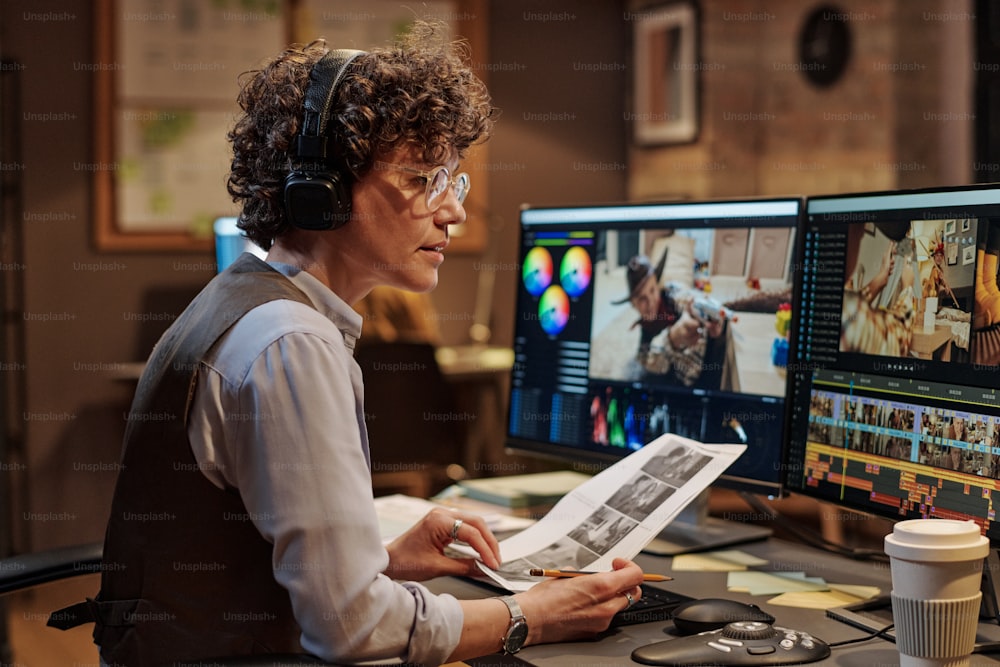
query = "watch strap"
{"x": 517, "y": 631}
{"x": 515, "y": 609}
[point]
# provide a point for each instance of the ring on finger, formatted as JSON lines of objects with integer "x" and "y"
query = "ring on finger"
{"x": 631, "y": 600}
{"x": 454, "y": 529}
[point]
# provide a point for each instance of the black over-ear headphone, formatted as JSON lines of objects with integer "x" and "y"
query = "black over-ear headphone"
{"x": 317, "y": 198}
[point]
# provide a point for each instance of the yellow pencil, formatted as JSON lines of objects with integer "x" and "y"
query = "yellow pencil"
{"x": 538, "y": 572}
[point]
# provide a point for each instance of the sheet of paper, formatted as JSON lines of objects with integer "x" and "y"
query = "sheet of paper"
{"x": 615, "y": 513}
{"x": 727, "y": 560}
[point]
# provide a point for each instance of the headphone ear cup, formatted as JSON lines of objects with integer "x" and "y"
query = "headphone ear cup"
{"x": 317, "y": 201}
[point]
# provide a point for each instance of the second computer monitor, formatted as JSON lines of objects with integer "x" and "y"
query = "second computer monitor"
{"x": 894, "y": 403}
{"x": 642, "y": 319}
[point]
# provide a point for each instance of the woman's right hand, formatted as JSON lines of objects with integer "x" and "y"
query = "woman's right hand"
{"x": 579, "y": 607}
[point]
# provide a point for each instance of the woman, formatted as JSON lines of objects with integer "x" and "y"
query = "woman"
{"x": 245, "y": 522}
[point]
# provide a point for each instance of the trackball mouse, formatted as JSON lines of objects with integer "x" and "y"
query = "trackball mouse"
{"x": 696, "y": 616}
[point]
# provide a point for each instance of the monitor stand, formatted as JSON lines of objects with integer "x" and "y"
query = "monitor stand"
{"x": 694, "y": 530}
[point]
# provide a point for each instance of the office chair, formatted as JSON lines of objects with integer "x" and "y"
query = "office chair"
{"x": 33, "y": 569}
{"x": 414, "y": 423}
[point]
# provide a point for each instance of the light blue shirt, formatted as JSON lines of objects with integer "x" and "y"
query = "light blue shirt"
{"x": 278, "y": 416}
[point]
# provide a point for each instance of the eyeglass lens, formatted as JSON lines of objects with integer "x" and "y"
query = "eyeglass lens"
{"x": 441, "y": 181}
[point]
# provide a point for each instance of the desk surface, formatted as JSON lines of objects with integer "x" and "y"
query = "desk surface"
{"x": 615, "y": 648}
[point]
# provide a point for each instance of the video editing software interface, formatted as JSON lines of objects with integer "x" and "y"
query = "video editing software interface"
{"x": 642, "y": 319}
{"x": 894, "y": 402}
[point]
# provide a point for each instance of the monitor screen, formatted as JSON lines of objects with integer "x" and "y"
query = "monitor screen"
{"x": 230, "y": 242}
{"x": 894, "y": 406}
{"x": 637, "y": 320}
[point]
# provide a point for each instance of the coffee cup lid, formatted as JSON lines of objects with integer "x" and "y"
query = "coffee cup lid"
{"x": 938, "y": 540}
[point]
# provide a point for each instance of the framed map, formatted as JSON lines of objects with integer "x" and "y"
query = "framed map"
{"x": 166, "y": 78}
{"x": 166, "y": 84}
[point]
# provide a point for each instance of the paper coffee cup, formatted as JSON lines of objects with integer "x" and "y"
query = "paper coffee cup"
{"x": 937, "y": 567}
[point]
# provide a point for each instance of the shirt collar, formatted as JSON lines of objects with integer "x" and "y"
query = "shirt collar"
{"x": 325, "y": 301}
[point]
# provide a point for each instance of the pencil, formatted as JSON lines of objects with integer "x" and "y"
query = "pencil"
{"x": 538, "y": 572}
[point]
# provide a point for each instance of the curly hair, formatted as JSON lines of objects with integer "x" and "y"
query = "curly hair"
{"x": 419, "y": 91}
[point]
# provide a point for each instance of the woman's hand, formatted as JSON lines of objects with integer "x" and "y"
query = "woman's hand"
{"x": 577, "y": 607}
{"x": 555, "y": 610}
{"x": 418, "y": 554}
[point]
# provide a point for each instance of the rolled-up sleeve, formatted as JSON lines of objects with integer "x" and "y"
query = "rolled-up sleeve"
{"x": 282, "y": 422}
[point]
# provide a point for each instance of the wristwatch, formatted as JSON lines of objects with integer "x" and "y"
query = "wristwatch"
{"x": 517, "y": 632}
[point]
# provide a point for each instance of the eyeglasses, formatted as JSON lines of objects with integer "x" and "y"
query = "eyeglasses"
{"x": 438, "y": 180}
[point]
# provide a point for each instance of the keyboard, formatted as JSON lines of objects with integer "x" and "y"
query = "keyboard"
{"x": 655, "y": 604}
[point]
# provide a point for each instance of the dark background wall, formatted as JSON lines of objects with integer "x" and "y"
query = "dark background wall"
{"x": 561, "y": 138}
{"x": 83, "y": 309}
{"x": 561, "y": 75}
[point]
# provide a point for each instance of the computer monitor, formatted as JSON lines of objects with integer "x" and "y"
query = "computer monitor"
{"x": 230, "y": 242}
{"x": 894, "y": 400}
{"x": 594, "y": 379}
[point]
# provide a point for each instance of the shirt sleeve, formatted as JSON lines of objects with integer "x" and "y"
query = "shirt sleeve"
{"x": 292, "y": 445}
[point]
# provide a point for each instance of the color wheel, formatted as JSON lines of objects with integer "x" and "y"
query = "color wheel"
{"x": 575, "y": 271}
{"x": 553, "y": 310}
{"x": 537, "y": 270}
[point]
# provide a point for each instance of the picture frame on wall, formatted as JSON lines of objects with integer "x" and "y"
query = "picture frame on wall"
{"x": 665, "y": 70}
{"x": 165, "y": 88}
{"x": 166, "y": 78}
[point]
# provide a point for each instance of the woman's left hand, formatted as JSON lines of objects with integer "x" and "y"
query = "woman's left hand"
{"x": 418, "y": 554}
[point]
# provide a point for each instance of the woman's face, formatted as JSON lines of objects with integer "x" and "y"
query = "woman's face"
{"x": 395, "y": 239}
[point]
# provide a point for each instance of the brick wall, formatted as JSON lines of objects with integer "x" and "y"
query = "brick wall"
{"x": 900, "y": 116}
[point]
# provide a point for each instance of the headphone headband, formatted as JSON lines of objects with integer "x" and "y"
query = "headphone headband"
{"x": 324, "y": 77}
{"x": 316, "y": 197}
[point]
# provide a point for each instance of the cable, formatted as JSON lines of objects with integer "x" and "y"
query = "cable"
{"x": 872, "y": 634}
{"x": 810, "y": 536}
{"x": 987, "y": 647}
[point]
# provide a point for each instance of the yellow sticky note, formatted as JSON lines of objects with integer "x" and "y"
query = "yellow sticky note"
{"x": 814, "y": 599}
{"x": 858, "y": 591}
{"x": 728, "y": 560}
{"x": 773, "y": 583}
{"x": 838, "y": 596}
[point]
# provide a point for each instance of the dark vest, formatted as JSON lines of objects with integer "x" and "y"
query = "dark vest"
{"x": 186, "y": 574}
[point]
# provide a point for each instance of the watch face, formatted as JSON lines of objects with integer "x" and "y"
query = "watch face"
{"x": 517, "y": 634}
{"x": 825, "y": 45}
